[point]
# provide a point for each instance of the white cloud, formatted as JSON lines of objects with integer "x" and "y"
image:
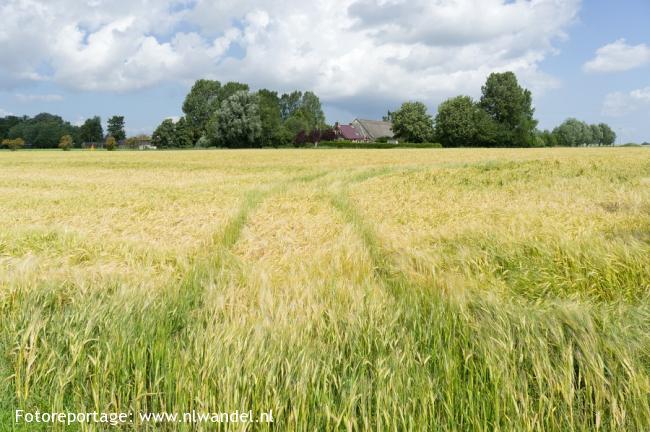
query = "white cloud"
{"x": 387, "y": 50}
{"x": 4, "y": 113}
{"x": 618, "y": 57}
{"x": 38, "y": 97}
{"x": 619, "y": 104}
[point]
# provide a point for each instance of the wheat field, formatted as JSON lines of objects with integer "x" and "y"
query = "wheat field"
{"x": 487, "y": 290}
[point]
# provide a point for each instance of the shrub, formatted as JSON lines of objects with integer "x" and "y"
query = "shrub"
{"x": 13, "y": 144}
{"x": 65, "y": 143}
{"x": 110, "y": 143}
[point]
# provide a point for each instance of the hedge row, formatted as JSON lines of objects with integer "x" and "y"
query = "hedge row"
{"x": 375, "y": 145}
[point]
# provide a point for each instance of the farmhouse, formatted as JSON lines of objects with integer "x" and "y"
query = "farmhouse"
{"x": 347, "y": 133}
{"x": 372, "y": 130}
{"x": 365, "y": 130}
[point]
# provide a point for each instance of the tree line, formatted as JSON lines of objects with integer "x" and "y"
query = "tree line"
{"x": 48, "y": 130}
{"x": 502, "y": 117}
{"x": 230, "y": 115}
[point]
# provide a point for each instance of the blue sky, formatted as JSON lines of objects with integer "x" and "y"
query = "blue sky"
{"x": 587, "y": 59}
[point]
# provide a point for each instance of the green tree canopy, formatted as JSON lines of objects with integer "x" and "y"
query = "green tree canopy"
{"x": 573, "y": 132}
{"x": 203, "y": 100}
{"x": 460, "y": 122}
{"x": 164, "y": 135}
{"x": 413, "y": 123}
{"x": 289, "y": 104}
{"x": 91, "y": 130}
{"x": 596, "y": 134}
{"x": 237, "y": 122}
{"x": 115, "y": 127}
{"x": 313, "y": 111}
{"x": 270, "y": 117}
{"x": 43, "y": 131}
{"x": 200, "y": 103}
{"x": 609, "y": 136}
{"x": 183, "y": 137}
{"x": 510, "y": 106}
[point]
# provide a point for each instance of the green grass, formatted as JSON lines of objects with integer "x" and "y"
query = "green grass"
{"x": 344, "y": 290}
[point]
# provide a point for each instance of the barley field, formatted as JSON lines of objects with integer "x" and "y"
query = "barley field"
{"x": 383, "y": 290}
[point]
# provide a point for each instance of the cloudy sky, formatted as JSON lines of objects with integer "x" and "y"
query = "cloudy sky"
{"x": 78, "y": 58}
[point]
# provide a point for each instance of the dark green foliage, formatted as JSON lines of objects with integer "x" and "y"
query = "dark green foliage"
{"x": 183, "y": 137}
{"x": 548, "y": 138}
{"x": 230, "y": 89}
{"x": 115, "y": 127}
{"x": 573, "y": 133}
{"x": 510, "y": 106}
{"x": 608, "y": 135}
{"x": 43, "y": 131}
{"x": 413, "y": 123}
{"x": 173, "y": 135}
{"x": 164, "y": 135}
{"x": 289, "y": 103}
{"x": 200, "y": 103}
{"x": 237, "y": 124}
{"x": 203, "y": 100}
{"x": 271, "y": 118}
{"x": 462, "y": 123}
{"x": 312, "y": 110}
{"x": 6, "y": 123}
{"x": 91, "y": 130}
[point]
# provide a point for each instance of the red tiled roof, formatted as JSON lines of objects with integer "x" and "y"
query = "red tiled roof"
{"x": 349, "y": 133}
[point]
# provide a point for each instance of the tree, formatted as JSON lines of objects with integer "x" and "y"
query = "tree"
{"x": 13, "y": 144}
{"x": 91, "y": 130}
{"x": 596, "y": 134}
{"x": 570, "y": 133}
{"x": 6, "y": 123}
{"x": 462, "y": 123}
{"x": 586, "y": 136}
{"x": 289, "y": 104}
{"x": 412, "y": 122}
{"x": 110, "y": 144}
{"x": 116, "y": 127}
{"x": 549, "y": 138}
{"x": 43, "y": 130}
{"x": 237, "y": 123}
{"x": 230, "y": 89}
{"x": 200, "y": 103}
{"x": 138, "y": 140}
{"x": 183, "y": 134}
{"x": 164, "y": 135}
{"x": 271, "y": 118}
{"x": 609, "y": 136}
{"x": 388, "y": 117}
{"x": 295, "y": 124}
{"x": 510, "y": 106}
{"x": 313, "y": 111}
{"x": 65, "y": 143}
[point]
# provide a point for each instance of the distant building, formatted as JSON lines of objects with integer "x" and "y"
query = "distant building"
{"x": 347, "y": 133}
{"x": 372, "y": 130}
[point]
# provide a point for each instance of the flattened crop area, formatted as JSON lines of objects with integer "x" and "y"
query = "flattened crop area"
{"x": 343, "y": 289}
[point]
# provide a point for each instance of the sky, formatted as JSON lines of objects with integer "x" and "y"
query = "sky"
{"x": 587, "y": 59}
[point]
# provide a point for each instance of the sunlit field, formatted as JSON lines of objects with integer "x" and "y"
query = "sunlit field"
{"x": 342, "y": 289}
